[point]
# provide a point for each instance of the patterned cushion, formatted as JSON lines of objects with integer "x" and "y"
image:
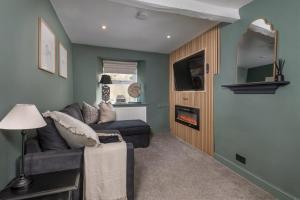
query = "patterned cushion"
{"x": 90, "y": 113}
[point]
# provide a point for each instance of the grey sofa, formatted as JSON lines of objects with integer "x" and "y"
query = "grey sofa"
{"x": 38, "y": 162}
{"x": 48, "y": 152}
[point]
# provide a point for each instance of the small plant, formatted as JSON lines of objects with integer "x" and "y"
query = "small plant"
{"x": 279, "y": 64}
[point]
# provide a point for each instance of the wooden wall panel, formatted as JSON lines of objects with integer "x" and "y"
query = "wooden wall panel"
{"x": 203, "y": 139}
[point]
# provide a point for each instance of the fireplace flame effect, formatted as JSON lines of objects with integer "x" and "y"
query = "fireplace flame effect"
{"x": 187, "y": 119}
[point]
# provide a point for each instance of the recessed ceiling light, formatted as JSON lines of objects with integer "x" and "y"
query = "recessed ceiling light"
{"x": 141, "y": 15}
{"x": 103, "y": 27}
{"x": 168, "y": 36}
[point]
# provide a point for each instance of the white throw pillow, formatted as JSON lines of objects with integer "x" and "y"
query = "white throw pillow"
{"x": 107, "y": 112}
{"x": 90, "y": 113}
{"x": 76, "y": 133}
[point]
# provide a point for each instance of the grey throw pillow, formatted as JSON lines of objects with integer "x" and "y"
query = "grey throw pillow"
{"x": 107, "y": 112}
{"x": 49, "y": 137}
{"x": 90, "y": 113}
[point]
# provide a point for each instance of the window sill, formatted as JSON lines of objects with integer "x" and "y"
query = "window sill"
{"x": 134, "y": 104}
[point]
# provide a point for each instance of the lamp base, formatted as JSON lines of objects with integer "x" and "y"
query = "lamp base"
{"x": 105, "y": 93}
{"x": 20, "y": 183}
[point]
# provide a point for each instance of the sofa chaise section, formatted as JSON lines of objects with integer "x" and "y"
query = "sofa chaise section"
{"x": 136, "y": 132}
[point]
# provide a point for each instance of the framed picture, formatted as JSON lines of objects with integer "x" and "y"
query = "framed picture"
{"x": 63, "y": 61}
{"x": 47, "y": 43}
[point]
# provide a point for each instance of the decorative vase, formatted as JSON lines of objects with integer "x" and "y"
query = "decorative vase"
{"x": 279, "y": 77}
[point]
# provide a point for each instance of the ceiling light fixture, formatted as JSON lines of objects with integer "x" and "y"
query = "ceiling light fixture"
{"x": 168, "y": 36}
{"x": 141, "y": 15}
{"x": 103, "y": 27}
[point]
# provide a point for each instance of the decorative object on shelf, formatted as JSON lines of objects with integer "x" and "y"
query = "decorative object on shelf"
{"x": 105, "y": 80}
{"x": 134, "y": 90}
{"x": 120, "y": 99}
{"x": 269, "y": 79}
{"x": 279, "y": 69}
{"x": 63, "y": 61}
{"x": 47, "y": 42}
{"x": 22, "y": 117}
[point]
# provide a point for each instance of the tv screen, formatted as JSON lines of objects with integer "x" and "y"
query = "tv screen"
{"x": 189, "y": 73}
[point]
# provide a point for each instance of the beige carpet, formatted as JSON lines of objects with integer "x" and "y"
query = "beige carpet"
{"x": 172, "y": 170}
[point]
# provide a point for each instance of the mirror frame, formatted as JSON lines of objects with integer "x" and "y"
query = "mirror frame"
{"x": 275, "y": 48}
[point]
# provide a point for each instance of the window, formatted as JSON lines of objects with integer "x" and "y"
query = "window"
{"x": 122, "y": 74}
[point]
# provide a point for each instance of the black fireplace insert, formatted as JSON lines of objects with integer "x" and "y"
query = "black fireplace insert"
{"x": 188, "y": 116}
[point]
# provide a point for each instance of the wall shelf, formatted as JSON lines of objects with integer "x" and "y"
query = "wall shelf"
{"x": 256, "y": 88}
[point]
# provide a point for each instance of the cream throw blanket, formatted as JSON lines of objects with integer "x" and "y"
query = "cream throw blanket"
{"x": 105, "y": 171}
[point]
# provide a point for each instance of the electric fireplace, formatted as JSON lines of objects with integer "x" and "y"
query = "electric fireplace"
{"x": 187, "y": 116}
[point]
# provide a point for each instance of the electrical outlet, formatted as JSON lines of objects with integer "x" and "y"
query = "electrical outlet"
{"x": 240, "y": 158}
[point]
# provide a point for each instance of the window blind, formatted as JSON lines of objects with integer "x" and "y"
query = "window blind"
{"x": 120, "y": 67}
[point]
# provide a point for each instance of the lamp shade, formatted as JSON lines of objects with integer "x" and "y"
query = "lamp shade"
{"x": 105, "y": 79}
{"x": 23, "y": 117}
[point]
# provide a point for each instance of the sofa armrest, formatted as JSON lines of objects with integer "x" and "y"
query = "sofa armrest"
{"x": 32, "y": 146}
{"x": 52, "y": 161}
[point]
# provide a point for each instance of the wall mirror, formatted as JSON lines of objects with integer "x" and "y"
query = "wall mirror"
{"x": 257, "y": 52}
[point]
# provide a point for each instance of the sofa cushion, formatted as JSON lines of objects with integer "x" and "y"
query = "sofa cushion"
{"x": 76, "y": 133}
{"x": 74, "y": 110}
{"x": 107, "y": 112}
{"x": 49, "y": 137}
{"x": 90, "y": 113}
{"x": 126, "y": 127}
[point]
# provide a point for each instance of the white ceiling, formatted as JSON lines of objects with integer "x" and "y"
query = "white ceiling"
{"x": 215, "y": 10}
{"x": 82, "y": 21}
{"x": 227, "y": 3}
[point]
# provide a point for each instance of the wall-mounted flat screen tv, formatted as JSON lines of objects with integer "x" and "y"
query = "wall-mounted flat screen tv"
{"x": 189, "y": 73}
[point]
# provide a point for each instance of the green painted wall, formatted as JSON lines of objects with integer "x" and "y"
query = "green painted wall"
{"x": 20, "y": 79}
{"x": 86, "y": 62}
{"x": 263, "y": 128}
